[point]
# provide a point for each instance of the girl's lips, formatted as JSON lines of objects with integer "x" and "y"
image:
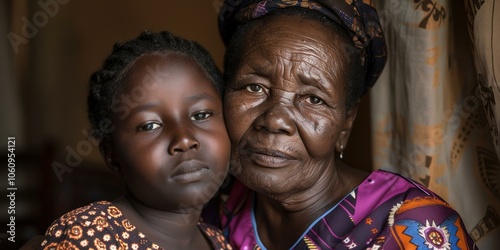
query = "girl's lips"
{"x": 190, "y": 171}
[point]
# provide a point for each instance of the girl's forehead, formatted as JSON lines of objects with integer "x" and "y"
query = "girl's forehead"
{"x": 154, "y": 67}
{"x": 166, "y": 81}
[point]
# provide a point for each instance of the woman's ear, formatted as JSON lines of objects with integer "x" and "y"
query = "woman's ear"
{"x": 109, "y": 156}
{"x": 346, "y": 130}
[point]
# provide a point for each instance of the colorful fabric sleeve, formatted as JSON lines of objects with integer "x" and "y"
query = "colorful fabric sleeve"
{"x": 87, "y": 227}
{"x": 424, "y": 223}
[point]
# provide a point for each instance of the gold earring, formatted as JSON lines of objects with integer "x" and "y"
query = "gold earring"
{"x": 341, "y": 151}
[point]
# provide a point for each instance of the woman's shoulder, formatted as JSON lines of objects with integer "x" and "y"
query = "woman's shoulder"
{"x": 387, "y": 192}
{"x": 396, "y": 183}
{"x": 406, "y": 212}
{"x": 413, "y": 196}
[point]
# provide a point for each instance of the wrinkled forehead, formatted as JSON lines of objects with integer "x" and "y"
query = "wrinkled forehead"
{"x": 303, "y": 42}
{"x": 287, "y": 28}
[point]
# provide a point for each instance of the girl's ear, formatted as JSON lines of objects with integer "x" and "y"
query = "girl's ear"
{"x": 346, "y": 130}
{"x": 108, "y": 154}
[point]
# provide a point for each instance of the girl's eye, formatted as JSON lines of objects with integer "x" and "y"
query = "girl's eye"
{"x": 200, "y": 116}
{"x": 255, "y": 88}
{"x": 314, "y": 100}
{"x": 149, "y": 126}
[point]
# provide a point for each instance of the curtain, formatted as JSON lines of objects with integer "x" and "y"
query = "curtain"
{"x": 433, "y": 116}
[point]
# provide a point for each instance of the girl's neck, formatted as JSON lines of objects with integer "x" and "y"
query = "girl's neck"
{"x": 169, "y": 229}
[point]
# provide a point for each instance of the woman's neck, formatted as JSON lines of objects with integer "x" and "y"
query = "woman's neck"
{"x": 292, "y": 215}
{"x": 169, "y": 229}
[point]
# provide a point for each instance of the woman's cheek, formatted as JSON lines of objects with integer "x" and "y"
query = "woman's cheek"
{"x": 240, "y": 112}
{"x": 319, "y": 135}
{"x": 235, "y": 115}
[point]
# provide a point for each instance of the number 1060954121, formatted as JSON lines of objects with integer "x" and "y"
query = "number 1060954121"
{"x": 11, "y": 160}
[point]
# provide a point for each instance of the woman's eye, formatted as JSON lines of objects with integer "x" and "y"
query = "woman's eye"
{"x": 149, "y": 126}
{"x": 200, "y": 116}
{"x": 314, "y": 100}
{"x": 255, "y": 88}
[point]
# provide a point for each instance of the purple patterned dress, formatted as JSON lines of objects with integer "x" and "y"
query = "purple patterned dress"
{"x": 386, "y": 211}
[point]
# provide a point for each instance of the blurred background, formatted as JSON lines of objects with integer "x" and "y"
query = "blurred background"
{"x": 48, "y": 51}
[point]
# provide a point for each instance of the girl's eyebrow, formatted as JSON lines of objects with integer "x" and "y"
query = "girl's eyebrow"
{"x": 143, "y": 107}
{"x": 193, "y": 98}
{"x": 200, "y": 96}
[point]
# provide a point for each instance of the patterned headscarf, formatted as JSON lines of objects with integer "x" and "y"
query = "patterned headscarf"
{"x": 358, "y": 17}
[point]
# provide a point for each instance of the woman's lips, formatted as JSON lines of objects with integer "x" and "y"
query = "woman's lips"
{"x": 269, "y": 158}
{"x": 190, "y": 171}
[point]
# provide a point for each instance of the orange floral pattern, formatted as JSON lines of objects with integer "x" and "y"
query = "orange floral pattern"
{"x": 101, "y": 225}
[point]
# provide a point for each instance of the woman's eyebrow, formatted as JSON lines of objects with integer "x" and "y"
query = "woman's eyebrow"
{"x": 258, "y": 64}
{"x": 250, "y": 72}
{"x": 314, "y": 82}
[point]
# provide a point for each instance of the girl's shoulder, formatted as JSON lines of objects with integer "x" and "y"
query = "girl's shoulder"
{"x": 215, "y": 236}
{"x": 94, "y": 214}
{"x": 98, "y": 225}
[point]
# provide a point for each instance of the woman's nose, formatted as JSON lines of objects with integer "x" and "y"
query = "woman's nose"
{"x": 276, "y": 119}
{"x": 182, "y": 141}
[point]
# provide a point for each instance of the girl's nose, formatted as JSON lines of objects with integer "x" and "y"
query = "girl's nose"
{"x": 182, "y": 141}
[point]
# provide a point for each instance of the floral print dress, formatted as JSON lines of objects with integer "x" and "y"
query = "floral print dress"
{"x": 101, "y": 225}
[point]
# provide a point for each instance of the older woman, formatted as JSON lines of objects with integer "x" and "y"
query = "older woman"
{"x": 295, "y": 71}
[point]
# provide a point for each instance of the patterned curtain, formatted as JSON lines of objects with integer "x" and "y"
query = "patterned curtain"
{"x": 433, "y": 120}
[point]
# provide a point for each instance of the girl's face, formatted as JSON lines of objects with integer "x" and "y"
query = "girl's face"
{"x": 169, "y": 143}
{"x": 285, "y": 107}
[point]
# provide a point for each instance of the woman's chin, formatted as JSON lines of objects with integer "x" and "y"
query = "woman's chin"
{"x": 261, "y": 180}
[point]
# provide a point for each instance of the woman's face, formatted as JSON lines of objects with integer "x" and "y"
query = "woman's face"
{"x": 285, "y": 106}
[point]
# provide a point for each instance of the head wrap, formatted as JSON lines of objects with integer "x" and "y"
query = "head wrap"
{"x": 358, "y": 17}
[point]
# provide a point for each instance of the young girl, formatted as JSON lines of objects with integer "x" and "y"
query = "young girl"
{"x": 156, "y": 109}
